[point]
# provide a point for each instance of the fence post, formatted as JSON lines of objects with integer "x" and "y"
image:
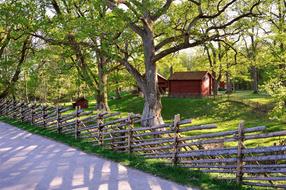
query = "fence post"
{"x": 14, "y": 109}
{"x": 240, "y": 146}
{"x": 1, "y": 106}
{"x": 59, "y": 118}
{"x": 10, "y": 108}
{"x": 99, "y": 122}
{"x": 176, "y": 128}
{"x": 26, "y": 111}
{"x": 22, "y": 111}
{"x": 32, "y": 113}
{"x": 76, "y": 132}
{"x": 130, "y": 133}
{"x": 112, "y": 140}
{"x": 5, "y": 108}
{"x": 44, "y": 115}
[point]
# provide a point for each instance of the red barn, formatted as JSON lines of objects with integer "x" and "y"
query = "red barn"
{"x": 194, "y": 83}
{"x": 81, "y": 102}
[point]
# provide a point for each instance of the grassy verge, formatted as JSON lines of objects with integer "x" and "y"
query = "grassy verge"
{"x": 156, "y": 167}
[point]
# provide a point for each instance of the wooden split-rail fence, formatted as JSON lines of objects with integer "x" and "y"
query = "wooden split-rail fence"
{"x": 178, "y": 143}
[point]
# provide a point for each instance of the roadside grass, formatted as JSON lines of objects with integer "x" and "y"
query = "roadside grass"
{"x": 156, "y": 167}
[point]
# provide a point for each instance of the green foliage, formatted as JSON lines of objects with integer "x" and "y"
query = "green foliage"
{"x": 277, "y": 90}
{"x": 52, "y": 70}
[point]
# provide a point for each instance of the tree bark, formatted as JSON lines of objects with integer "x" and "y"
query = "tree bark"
{"x": 102, "y": 97}
{"x": 228, "y": 83}
{"x": 214, "y": 83}
{"x": 117, "y": 92}
{"x": 18, "y": 69}
{"x": 254, "y": 74}
{"x": 152, "y": 105}
{"x": 148, "y": 84}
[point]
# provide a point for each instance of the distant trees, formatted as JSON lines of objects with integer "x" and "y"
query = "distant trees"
{"x": 84, "y": 29}
{"x": 107, "y": 45}
{"x": 15, "y": 43}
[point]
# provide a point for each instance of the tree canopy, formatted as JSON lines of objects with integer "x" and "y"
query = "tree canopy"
{"x": 58, "y": 50}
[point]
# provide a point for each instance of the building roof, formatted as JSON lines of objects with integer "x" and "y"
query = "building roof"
{"x": 159, "y": 75}
{"x": 81, "y": 99}
{"x": 190, "y": 75}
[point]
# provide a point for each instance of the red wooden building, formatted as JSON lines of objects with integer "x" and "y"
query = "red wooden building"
{"x": 194, "y": 83}
{"x": 81, "y": 102}
{"x": 222, "y": 85}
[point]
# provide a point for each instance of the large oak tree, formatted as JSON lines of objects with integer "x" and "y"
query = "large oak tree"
{"x": 167, "y": 26}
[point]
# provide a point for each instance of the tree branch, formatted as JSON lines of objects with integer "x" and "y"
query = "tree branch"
{"x": 162, "y": 10}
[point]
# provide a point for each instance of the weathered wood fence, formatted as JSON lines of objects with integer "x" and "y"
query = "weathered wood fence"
{"x": 177, "y": 142}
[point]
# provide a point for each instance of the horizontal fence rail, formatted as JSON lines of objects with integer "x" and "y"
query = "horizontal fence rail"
{"x": 178, "y": 142}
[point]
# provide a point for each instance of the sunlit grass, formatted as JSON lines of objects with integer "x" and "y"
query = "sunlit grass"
{"x": 225, "y": 114}
{"x": 261, "y": 98}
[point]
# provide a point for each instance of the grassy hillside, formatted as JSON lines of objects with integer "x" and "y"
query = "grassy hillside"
{"x": 248, "y": 95}
{"x": 225, "y": 114}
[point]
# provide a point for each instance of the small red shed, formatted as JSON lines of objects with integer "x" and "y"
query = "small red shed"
{"x": 81, "y": 102}
{"x": 222, "y": 85}
{"x": 192, "y": 83}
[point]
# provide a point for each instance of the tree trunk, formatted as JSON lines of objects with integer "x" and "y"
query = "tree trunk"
{"x": 118, "y": 88}
{"x": 214, "y": 83}
{"x": 228, "y": 83}
{"x": 149, "y": 84}
{"x": 152, "y": 105}
{"x": 18, "y": 69}
{"x": 254, "y": 79}
{"x": 233, "y": 86}
{"x": 118, "y": 93}
{"x": 102, "y": 97}
{"x": 152, "y": 109}
{"x": 26, "y": 87}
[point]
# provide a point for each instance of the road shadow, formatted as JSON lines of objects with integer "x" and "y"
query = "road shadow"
{"x": 33, "y": 162}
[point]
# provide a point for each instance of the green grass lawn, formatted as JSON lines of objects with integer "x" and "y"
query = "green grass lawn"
{"x": 225, "y": 114}
{"x": 261, "y": 98}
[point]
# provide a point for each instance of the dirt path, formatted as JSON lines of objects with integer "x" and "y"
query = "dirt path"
{"x": 29, "y": 161}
